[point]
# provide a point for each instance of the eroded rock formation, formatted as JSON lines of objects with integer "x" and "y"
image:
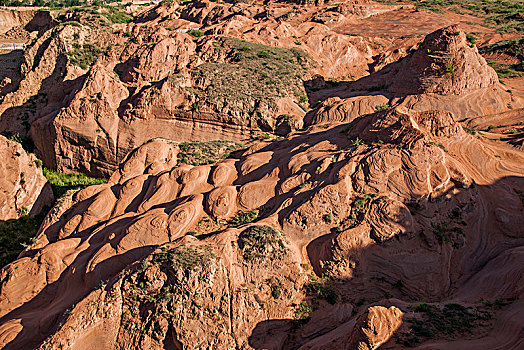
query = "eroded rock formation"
{"x": 165, "y": 254}
{"x": 23, "y": 188}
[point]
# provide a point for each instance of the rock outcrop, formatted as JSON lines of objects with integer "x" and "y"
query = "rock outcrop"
{"x": 88, "y": 97}
{"x": 446, "y": 72}
{"x": 374, "y": 328}
{"x": 23, "y": 188}
{"x": 165, "y": 254}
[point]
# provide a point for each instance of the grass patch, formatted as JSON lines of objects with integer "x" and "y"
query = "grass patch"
{"x": 434, "y": 322}
{"x": 84, "y": 55}
{"x": 15, "y": 235}
{"x": 506, "y": 70}
{"x": 206, "y": 152}
{"x": 61, "y": 182}
{"x": 250, "y": 79}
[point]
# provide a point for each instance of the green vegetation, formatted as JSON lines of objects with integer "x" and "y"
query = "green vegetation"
{"x": 61, "y": 182}
{"x": 206, "y": 152}
{"x": 513, "y": 48}
{"x": 382, "y": 107}
{"x": 197, "y": 33}
{"x": 506, "y": 70}
{"x": 15, "y": 235}
{"x": 251, "y": 78}
{"x": 432, "y": 321}
{"x": 25, "y": 141}
{"x": 303, "y": 312}
{"x": 188, "y": 270}
{"x": 469, "y": 130}
{"x": 84, "y": 55}
{"x": 42, "y": 3}
{"x": 359, "y": 208}
{"x": 114, "y": 15}
{"x": 449, "y": 69}
{"x": 502, "y": 15}
{"x": 357, "y": 142}
{"x": 380, "y": 87}
{"x": 243, "y": 218}
{"x": 259, "y": 243}
{"x": 471, "y": 39}
{"x": 446, "y": 233}
{"x": 323, "y": 289}
{"x": 186, "y": 258}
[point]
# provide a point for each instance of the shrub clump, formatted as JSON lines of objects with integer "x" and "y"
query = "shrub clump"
{"x": 260, "y": 243}
{"x": 244, "y": 217}
{"x": 84, "y": 55}
{"x": 187, "y": 258}
{"x": 433, "y": 321}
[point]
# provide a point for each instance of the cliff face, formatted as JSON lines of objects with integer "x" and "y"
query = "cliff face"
{"x": 24, "y": 189}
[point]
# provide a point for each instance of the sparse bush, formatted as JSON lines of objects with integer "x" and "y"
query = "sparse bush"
{"x": 243, "y": 218}
{"x": 323, "y": 289}
{"x": 15, "y": 235}
{"x": 259, "y": 243}
{"x": 382, "y": 107}
{"x": 84, "y": 55}
{"x": 197, "y": 33}
{"x": 25, "y": 141}
{"x": 253, "y": 75}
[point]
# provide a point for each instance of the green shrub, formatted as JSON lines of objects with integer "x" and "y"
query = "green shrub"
{"x": 259, "y": 243}
{"x": 323, "y": 289}
{"x": 382, "y": 107}
{"x": 84, "y": 55}
{"x": 243, "y": 218}
{"x": 472, "y": 39}
{"x": 197, "y": 33}
{"x": 25, "y": 141}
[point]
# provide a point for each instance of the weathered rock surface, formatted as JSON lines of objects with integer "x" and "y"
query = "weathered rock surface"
{"x": 23, "y": 187}
{"x": 170, "y": 256}
{"x": 445, "y": 73}
{"x": 374, "y": 328}
{"x": 151, "y": 78}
